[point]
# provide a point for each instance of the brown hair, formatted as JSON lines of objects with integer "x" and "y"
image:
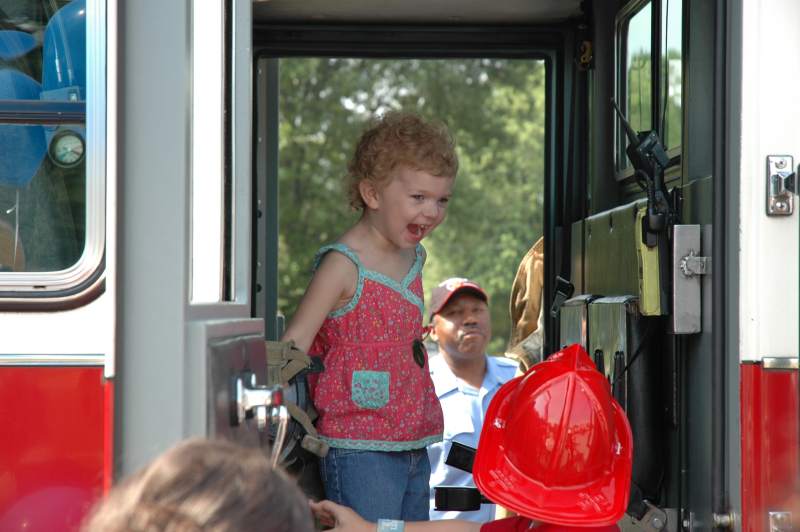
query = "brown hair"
{"x": 204, "y": 485}
{"x": 400, "y": 139}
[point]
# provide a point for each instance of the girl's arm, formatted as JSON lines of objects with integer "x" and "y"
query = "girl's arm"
{"x": 331, "y": 284}
{"x": 344, "y": 519}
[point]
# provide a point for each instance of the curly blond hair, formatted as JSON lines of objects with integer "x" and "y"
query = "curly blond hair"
{"x": 204, "y": 486}
{"x": 400, "y": 139}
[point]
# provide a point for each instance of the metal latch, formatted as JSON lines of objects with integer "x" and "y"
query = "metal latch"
{"x": 692, "y": 264}
{"x": 780, "y": 185}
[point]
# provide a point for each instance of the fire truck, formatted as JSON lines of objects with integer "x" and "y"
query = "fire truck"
{"x": 138, "y": 229}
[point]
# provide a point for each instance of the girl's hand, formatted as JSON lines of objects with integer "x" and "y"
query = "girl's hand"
{"x": 341, "y": 518}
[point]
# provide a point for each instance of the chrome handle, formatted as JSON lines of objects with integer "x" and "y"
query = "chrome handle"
{"x": 247, "y": 396}
{"x": 265, "y": 403}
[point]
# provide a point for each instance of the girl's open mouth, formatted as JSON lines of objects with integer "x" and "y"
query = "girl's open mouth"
{"x": 417, "y": 230}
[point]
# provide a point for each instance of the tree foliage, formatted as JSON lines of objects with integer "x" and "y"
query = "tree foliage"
{"x": 496, "y": 110}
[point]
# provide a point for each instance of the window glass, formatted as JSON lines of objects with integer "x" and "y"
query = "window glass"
{"x": 638, "y": 70}
{"x": 672, "y": 70}
{"x": 208, "y": 212}
{"x": 42, "y": 134}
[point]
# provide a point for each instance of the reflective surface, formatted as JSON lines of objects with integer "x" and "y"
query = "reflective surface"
{"x": 42, "y": 170}
{"x": 555, "y": 446}
{"x": 672, "y": 71}
{"x": 770, "y": 444}
{"x": 638, "y": 48}
{"x": 51, "y": 468}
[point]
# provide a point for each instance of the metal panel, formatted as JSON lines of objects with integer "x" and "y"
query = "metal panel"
{"x": 608, "y": 323}
{"x": 575, "y": 321}
{"x": 242, "y": 150}
{"x": 52, "y": 360}
{"x": 229, "y": 358}
{"x": 153, "y": 121}
{"x": 686, "y": 309}
{"x": 780, "y": 363}
{"x": 220, "y": 350}
{"x": 576, "y": 253}
{"x": 631, "y": 352}
{"x": 418, "y": 11}
{"x": 691, "y": 447}
{"x": 695, "y": 384}
{"x": 53, "y": 465}
{"x": 610, "y": 264}
{"x": 769, "y": 118}
{"x": 265, "y": 288}
{"x": 770, "y": 465}
{"x": 163, "y": 339}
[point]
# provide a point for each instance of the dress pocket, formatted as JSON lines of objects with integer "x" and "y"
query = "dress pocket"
{"x": 370, "y": 389}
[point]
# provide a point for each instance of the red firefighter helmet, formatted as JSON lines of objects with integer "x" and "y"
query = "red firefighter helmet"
{"x": 556, "y": 446}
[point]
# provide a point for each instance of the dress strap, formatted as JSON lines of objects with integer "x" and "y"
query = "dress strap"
{"x": 341, "y": 248}
{"x": 350, "y": 254}
{"x": 419, "y": 261}
{"x": 416, "y": 269}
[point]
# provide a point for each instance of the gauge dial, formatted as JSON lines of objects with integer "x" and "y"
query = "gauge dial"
{"x": 67, "y": 149}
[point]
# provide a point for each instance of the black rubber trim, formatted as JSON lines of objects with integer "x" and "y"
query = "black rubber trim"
{"x": 406, "y": 41}
{"x": 720, "y": 497}
{"x": 46, "y": 300}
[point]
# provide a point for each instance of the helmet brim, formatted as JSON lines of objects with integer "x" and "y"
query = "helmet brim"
{"x": 599, "y": 503}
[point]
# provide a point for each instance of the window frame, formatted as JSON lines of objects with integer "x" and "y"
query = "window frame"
{"x": 230, "y": 282}
{"x": 83, "y": 281}
{"x": 276, "y": 41}
{"x": 623, "y": 18}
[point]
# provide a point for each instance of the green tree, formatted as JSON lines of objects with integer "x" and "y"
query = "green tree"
{"x": 496, "y": 110}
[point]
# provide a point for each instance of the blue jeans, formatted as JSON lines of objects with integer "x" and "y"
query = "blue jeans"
{"x": 377, "y": 484}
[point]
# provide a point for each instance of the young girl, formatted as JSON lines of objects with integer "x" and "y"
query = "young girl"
{"x": 362, "y": 313}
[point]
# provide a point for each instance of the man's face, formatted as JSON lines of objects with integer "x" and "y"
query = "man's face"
{"x": 463, "y": 328}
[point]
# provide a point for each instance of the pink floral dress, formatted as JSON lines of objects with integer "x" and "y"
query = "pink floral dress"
{"x": 373, "y": 395}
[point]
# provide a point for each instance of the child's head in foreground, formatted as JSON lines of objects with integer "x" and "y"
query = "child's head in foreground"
{"x": 396, "y": 141}
{"x": 204, "y": 485}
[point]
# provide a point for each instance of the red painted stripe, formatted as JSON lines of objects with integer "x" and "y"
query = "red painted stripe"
{"x": 51, "y": 449}
{"x": 108, "y": 434}
{"x": 770, "y": 446}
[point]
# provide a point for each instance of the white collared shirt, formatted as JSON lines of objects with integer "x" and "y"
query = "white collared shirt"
{"x": 464, "y": 409}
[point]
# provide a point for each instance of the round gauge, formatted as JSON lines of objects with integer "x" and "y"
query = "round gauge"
{"x": 67, "y": 149}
